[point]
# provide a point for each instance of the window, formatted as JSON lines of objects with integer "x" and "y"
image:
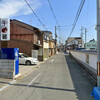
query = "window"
{"x": 93, "y": 45}
{"x": 45, "y": 37}
{"x": 88, "y": 45}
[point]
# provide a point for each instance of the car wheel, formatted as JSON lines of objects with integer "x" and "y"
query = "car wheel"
{"x": 28, "y": 62}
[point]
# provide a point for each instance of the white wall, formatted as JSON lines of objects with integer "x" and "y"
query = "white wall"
{"x": 45, "y": 44}
{"x": 83, "y": 57}
{"x": 93, "y": 61}
{"x": 34, "y": 53}
{"x": 79, "y": 55}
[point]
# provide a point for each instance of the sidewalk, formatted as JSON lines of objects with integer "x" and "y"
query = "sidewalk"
{"x": 80, "y": 78}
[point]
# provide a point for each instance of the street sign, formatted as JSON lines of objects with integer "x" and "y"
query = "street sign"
{"x": 5, "y": 29}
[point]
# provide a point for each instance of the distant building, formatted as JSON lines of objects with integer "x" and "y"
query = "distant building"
{"x": 74, "y": 42}
{"x": 91, "y": 45}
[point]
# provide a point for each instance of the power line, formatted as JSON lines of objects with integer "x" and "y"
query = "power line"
{"x": 77, "y": 15}
{"x": 35, "y": 14}
{"x": 66, "y": 25}
{"x": 53, "y": 13}
{"x": 91, "y": 26}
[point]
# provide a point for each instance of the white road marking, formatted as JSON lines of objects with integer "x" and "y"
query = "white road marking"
{"x": 7, "y": 85}
{"x": 52, "y": 60}
{"x": 33, "y": 80}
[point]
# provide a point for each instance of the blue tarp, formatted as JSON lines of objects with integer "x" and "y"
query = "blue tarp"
{"x": 96, "y": 93}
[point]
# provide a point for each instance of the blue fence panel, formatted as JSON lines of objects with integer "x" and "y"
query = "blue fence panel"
{"x": 16, "y": 52}
{"x": 7, "y": 53}
{"x": 12, "y": 54}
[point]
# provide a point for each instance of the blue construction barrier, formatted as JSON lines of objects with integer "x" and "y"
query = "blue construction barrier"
{"x": 11, "y": 54}
{"x": 96, "y": 93}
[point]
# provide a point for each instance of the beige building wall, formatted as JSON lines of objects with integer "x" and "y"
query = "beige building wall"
{"x": 45, "y": 49}
{"x": 46, "y": 53}
{"x": 45, "y": 45}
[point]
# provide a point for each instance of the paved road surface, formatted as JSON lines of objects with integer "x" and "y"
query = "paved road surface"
{"x": 60, "y": 78}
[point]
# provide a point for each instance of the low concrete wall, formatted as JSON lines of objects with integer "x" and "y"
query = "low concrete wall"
{"x": 87, "y": 59}
{"x": 7, "y": 68}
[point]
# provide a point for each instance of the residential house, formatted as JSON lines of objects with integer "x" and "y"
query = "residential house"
{"x": 74, "y": 42}
{"x": 51, "y": 46}
{"x": 25, "y": 37}
{"x": 51, "y": 42}
{"x": 45, "y": 45}
{"x": 91, "y": 45}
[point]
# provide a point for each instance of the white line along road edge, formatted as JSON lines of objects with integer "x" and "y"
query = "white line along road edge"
{"x": 7, "y": 85}
{"x": 33, "y": 79}
{"x": 52, "y": 60}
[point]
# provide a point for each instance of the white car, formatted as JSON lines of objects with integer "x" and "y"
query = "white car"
{"x": 24, "y": 59}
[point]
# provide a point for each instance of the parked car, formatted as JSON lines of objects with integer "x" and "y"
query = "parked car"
{"x": 25, "y": 59}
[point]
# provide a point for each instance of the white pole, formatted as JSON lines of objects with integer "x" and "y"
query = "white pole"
{"x": 85, "y": 38}
{"x": 98, "y": 43}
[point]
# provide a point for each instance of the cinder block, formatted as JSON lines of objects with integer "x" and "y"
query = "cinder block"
{"x": 6, "y": 74}
{"x": 7, "y": 68}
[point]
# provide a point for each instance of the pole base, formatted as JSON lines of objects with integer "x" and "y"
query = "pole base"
{"x": 98, "y": 81}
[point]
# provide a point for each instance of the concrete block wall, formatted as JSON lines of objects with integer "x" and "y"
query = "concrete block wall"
{"x": 7, "y": 68}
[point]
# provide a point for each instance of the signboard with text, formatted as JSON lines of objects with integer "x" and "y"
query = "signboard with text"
{"x": 4, "y": 29}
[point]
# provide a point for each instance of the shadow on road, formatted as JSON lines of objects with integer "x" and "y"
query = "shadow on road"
{"x": 42, "y": 87}
{"x": 82, "y": 84}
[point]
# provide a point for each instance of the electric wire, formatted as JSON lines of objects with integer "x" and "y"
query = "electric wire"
{"x": 35, "y": 14}
{"x": 53, "y": 12}
{"x": 77, "y": 15}
{"x": 91, "y": 26}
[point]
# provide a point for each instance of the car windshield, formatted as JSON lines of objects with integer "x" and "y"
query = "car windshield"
{"x": 24, "y": 55}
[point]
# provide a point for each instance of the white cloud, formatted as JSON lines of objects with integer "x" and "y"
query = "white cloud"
{"x": 9, "y": 8}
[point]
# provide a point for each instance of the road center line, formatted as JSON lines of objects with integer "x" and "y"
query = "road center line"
{"x": 33, "y": 80}
{"x": 7, "y": 85}
{"x": 52, "y": 60}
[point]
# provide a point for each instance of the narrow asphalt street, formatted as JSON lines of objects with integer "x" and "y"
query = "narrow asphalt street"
{"x": 59, "y": 78}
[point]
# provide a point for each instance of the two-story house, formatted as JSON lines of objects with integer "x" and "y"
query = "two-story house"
{"x": 74, "y": 42}
{"x": 91, "y": 45}
{"x": 51, "y": 42}
{"x": 45, "y": 45}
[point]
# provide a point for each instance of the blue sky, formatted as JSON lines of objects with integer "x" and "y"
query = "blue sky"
{"x": 65, "y": 12}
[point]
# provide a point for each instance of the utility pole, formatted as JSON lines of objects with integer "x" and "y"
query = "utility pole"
{"x": 98, "y": 43}
{"x": 81, "y": 36}
{"x": 85, "y": 37}
{"x": 55, "y": 39}
{"x": 59, "y": 35}
{"x": 85, "y": 34}
{"x": 56, "y": 27}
